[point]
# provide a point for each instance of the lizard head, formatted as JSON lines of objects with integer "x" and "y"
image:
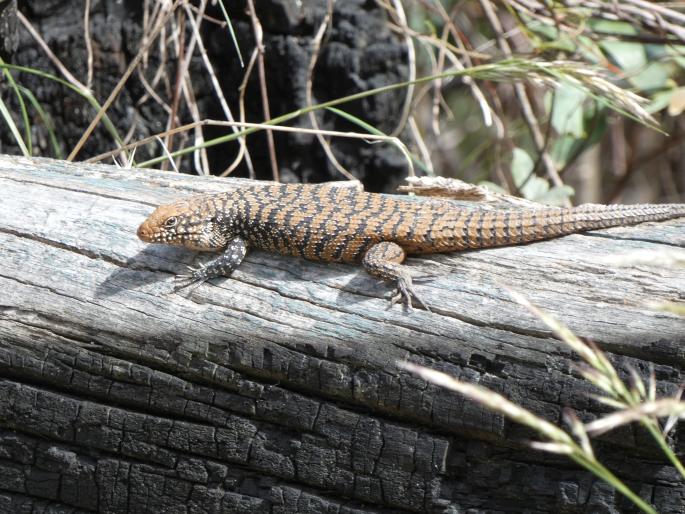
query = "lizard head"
{"x": 186, "y": 223}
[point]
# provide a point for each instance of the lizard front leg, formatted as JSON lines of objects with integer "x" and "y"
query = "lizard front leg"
{"x": 384, "y": 260}
{"x": 221, "y": 266}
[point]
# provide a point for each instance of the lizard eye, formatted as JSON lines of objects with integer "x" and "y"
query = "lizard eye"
{"x": 171, "y": 222}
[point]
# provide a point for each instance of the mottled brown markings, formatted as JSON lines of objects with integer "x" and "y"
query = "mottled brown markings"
{"x": 341, "y": 224}
{"x": 465, "y": 228}
{"x": 472, "y": 231}
{"x": 544, "y": 222}
{"x": 327, "y": 232}
{"x": 500, "y": 228}
{"x": 533, "y": 224}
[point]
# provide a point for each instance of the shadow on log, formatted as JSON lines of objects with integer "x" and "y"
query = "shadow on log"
{"x": 277, "y": 390}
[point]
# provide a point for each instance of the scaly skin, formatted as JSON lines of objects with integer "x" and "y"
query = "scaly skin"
{"x": 339, "y": 224}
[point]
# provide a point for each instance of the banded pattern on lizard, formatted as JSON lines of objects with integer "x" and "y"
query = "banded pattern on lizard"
{"x": 339, "y": 224}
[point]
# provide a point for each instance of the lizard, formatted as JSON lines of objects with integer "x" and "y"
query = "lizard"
{"x": 340, "y": 224}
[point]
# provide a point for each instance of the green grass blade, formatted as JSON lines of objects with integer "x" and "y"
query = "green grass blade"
{"x": 84, "y": 94}
{"x": 22, "y": 108}
{"x": 373, "y": 130}
{"x": 232, "y": 32}
{"x": 13, "y": 127}
{"x": 47, "y": 121}
{"x": 485, "y": 71}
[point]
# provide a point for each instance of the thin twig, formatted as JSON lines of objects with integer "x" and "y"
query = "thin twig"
{"x": 259, "y": 43}
{"x": 44, "y": 46}
{"x": 184, "y": 54}
{"x": 115, "y": 92}
{"x": 411, "y": 65}
{"x": 316, "y": 45}
{"x": 89, "y": 44}
{"x": 278, "y": 128}
{"x": 213, "y": 78}
{"x": 523, "y": 100}
{"x": 242, "y": 152}
{"x": 200, "y": 158}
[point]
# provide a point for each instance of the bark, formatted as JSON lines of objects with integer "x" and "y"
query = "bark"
{"x": 277, "y": 390}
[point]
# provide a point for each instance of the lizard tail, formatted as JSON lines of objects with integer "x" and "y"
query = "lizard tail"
{"x": 517, "y": 227}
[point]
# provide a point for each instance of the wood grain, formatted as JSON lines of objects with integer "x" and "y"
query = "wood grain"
{"x": 277, "y": 390}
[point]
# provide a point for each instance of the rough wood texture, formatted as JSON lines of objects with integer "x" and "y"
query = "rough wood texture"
{"x": 276, "y": 391}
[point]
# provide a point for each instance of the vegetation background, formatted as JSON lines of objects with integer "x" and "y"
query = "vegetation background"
{"x": 170, "y": 73}
{"x": 562, "y": 102}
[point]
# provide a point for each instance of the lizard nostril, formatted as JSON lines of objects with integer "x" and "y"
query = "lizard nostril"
{"x": 143, "y": 233}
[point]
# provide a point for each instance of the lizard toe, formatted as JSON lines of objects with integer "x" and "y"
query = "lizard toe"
{"x": 405, "y": 291}
{"x": 194, "y": 278}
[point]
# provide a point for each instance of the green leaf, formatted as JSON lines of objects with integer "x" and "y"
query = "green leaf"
{"x": 660, "y": 101}
{"x": 557, "y": 195}
{"x": 567, "y": 111}
{"x": 531, "y": 186}
{"x": 653, "y": 76}
{"x": 567, "y": 147}
{"x": 612, "y": 27}
{"x": 643, "y": 70}
{"x": 521, "y": 166}
{"x": 676, "y": 53}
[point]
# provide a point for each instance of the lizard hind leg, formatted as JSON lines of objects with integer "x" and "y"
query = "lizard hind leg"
{"x": 223, "y": 265}
{"x": 384, "y": 260}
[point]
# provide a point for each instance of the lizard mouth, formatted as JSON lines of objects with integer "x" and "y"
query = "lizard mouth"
{"x": 145, "y": 233}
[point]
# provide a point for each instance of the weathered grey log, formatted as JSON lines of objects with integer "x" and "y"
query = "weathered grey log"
{"x": 277, "y": 390}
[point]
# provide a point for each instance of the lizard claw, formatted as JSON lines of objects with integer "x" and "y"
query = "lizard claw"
{"x": 405, "y": 292}
{"x": 193, "y": 278}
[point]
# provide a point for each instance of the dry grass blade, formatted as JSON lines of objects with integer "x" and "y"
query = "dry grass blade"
{"x": 44, "y": 46}
{"x": 524, "y": 102}
{"x": 660, "y": 408}
{"x": 115, "y": 92}
{"x": 210, "y": 70}
{"x": 261, "y": 71}
{"x": 579, "y": 431}
{"x": 559, "y": 441}
{"x": 672, "y": 420}
{"x": 5, "y": 114}
{"x": 316, "y": 46}
{"x": 657, "y": 18}
{"x": 491, "y": 400}
{"x": 558, "y": 448}
{"x": 578, "y": 346}
{"x": 397, "y": 12}
{"x": 576, "y": 74}
{"x": 639, "y": 391}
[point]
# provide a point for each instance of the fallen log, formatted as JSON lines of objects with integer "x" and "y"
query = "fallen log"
{"x": 277, "y": 390}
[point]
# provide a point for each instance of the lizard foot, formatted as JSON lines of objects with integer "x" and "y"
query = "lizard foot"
{"x": 405, "y": 292}
{"x": 193, "y": 278}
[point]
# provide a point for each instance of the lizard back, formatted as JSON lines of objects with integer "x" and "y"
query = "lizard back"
{"x": 339, "y": 224}
{"x": 327, "y": 223}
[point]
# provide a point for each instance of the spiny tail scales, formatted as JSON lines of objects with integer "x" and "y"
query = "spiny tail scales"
{"x": 461, "y": 230}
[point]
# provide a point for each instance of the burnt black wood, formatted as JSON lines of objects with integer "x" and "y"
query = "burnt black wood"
{"x": 277, "y": 391}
